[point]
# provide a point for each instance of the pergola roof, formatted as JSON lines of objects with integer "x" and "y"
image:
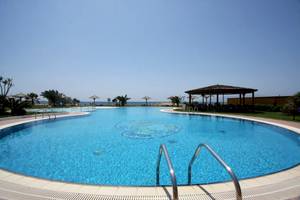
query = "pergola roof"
{"x": 19, "y": 95}
{"x": 94, "y": 97}
{"x": 221, "y": 89}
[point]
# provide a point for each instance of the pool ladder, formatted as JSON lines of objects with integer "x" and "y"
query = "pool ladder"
{"x": 163, "y": 149}
{"x": 43, "y": 114}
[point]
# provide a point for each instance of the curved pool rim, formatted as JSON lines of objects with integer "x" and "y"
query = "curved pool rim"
{"x": 170, "y": 111}
{"x": 245, "y": 118}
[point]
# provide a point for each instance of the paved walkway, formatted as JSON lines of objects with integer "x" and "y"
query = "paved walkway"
{"x": 288, "y": 123}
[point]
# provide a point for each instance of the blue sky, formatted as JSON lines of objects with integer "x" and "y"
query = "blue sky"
{"x": 157, "y": 48}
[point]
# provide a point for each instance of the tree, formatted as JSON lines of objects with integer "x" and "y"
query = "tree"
{"x": 53, "y": 96}
{"x": 293, "y": 105}
{"x": 122, "y": 100}
{"x": 17, "y": 106}
{"x": 146, "y": 98}
{"x": 115, "y": 100}
{"x": 94, "y": 97}
{"x": 65, "y": 100}
{"x": 33, "y": 97}
{"x": 175, "y": 100}
{"x": 75, "y": 102}
{"x": 56, "y": 98}
{"x": 5, "y": 85}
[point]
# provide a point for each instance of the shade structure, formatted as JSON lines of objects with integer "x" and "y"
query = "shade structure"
{"x": 20, "y": 95}
{"x": 94, "y": 97}
{"x": 146, "y": 98}
{"x": 222, "y": 90}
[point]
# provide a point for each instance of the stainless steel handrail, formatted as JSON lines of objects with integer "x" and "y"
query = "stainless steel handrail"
{"x": 222, "y": 162}
{"x": 52, "y": 114}
{"x": 42, "y": 114}
{"x": 49, "y": 115}
{"x": 163, "y": 149}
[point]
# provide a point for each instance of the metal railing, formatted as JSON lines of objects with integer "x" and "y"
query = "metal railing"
{"x": 49, "y": 115}
{"x": 163, "y": 149}
{"x": 222, "y": 162}
{"x": 43, "y": 114}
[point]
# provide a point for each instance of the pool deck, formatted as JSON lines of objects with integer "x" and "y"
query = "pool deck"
{"x": 282, "y": 185}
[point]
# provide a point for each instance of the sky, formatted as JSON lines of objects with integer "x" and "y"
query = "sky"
{"x": 157, "y": 48}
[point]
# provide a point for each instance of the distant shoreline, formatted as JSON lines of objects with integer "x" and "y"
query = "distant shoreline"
{"x": 105, "y": 103}
{"x": 129, "y": 103}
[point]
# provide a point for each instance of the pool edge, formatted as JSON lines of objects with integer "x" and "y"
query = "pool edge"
{"x": 13, "y": 182}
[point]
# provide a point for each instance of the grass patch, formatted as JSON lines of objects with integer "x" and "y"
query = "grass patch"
{"x": 5, "y": 115}
{"x": 271, "y": 115}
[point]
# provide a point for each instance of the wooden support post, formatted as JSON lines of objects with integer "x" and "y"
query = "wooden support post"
{"x": 223, "y": 100}
{"x": 209, "y": 99}
{"x": 217, "y": 102}
{"x": 243, "y": 99}
{"x": 190, "y": 99}
{"x": 240, "y": 99}
{"x": 253, "y": 101}
{"x": 203, "y": 99}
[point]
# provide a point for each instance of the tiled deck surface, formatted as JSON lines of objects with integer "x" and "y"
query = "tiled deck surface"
{"x": 283, "y": 185}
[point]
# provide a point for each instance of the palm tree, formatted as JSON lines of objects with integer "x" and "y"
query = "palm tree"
{"x": 17, "y": 106}
{"x": 146, "y": 98}
{"x": 115, "y": 100}
{"x": 175, "y": 100}
{"x": 75, "y": 102}
{"x": 5, "y": 85}
{"x": 33, "y": 97}
{"x": 121, "y": 99}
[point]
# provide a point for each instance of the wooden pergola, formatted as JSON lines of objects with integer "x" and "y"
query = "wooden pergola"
{"x": 222, "y": 90}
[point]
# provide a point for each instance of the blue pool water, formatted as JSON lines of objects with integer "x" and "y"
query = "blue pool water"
{"x": 120, "y": 147}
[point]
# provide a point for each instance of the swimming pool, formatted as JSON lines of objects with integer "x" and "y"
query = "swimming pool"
{"x": 120, "y": 147}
